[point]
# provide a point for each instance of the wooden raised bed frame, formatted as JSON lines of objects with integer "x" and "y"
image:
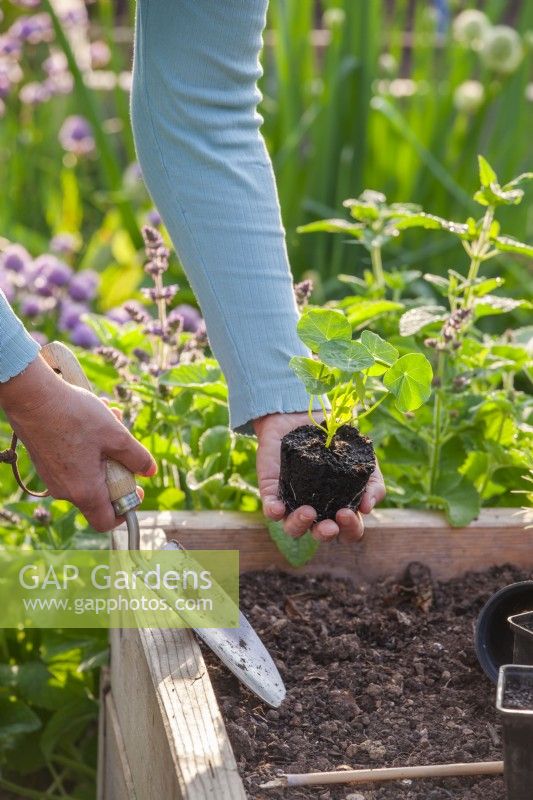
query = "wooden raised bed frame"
{"x": 162, "y": 735}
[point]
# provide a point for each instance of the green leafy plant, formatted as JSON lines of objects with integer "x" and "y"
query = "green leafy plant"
{"x": 356, "y": 375}
{"x": 472, "y": 445}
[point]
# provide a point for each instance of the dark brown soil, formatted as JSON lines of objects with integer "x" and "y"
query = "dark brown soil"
{"x": 326, "y": 478}
{"x": 382, "y": 675}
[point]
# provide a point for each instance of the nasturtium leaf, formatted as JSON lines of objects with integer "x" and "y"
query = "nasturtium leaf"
{"x": 319, "y": 325}
{"x": 316, "y": 378}
{"x": 409, "y": 380}
{"x": 486, "y": 173}
{"x": 460, "y": 499}
{"x": 297, "y": 551}
{"x": 416, "y": 319}
{"x": 379, "y": 348}
{"x": 347, "y": 356}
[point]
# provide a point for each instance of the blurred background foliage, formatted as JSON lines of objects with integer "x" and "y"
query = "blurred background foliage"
{"x": 394, "y": 95}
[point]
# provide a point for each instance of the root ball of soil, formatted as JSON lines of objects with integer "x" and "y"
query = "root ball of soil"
{"x": 326, "y": 478}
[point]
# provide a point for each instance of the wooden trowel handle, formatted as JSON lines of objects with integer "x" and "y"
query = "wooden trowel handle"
{"x": 120, "y": 481}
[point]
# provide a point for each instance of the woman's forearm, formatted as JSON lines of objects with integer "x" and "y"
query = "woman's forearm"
{"x": 17, "y": 347}
{"x": 206, "y": 165}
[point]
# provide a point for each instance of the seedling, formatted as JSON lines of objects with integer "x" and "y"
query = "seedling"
{"x": 355, "y": 373}
{"x": 327, "y": 464}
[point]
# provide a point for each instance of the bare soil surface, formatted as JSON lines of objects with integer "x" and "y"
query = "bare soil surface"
{"x": 380, "y": 675}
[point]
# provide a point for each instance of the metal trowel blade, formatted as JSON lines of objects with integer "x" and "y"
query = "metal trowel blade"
{"x": 243, "y": 652}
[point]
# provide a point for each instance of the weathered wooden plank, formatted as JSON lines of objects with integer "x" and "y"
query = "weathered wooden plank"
{"x": 114, "y": 780}
{"x": 394, "y": 538}
{"x": 172, "y": 727}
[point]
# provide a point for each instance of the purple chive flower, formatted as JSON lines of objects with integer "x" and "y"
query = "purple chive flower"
{"x": 7, "y": 288}
{"x": 55, "y": 63}
{"x": 26, "y": 3}
{"x": 153, "y": 218}
{"x": 190, "y": 316}
{"x": 34, "y": 29}
{"x": 10, "y": 46}
{"x": 61, "y": 83}
{"x": 48, "y": 273}
{"x": 83, "y": 285}
{"x": 83, "y": 336}
{"x": 15, "y": 258}
{"x": 76, "y": 136}
{"x": 34, "y": 93}
{"x": 100, "y": 54}
{"x": 119, "y": 315}
{"x": 40, "y": 338}
{"x": 70, "y": 315}
{"x": 31, "y": 306}
{"x": 64, "y": 243}
{"x": 57, "y": 272}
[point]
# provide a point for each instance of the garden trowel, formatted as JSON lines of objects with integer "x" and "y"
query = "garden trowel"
{"x": 240, "y": 649}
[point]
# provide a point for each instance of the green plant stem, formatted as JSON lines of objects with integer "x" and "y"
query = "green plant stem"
{"x": 31, "y": 794}
{"x": 372, "y": 408}
{"x": 109, "y": 163}
{"x": 377, "y": 266}
{"x": 75, "y": 766}
{"x": 313, "y": 420}
{"x": 437, "y": 422}
{"x": 479, "y": 252}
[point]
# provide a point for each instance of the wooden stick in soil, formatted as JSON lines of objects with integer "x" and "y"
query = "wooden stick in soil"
{"x": 387, "y": 774}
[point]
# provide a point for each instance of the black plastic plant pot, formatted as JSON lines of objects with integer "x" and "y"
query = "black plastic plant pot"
{"x": 522, "y": 628}
{"x": 514, "y": 701}
{"x": 326, "y": 478}
{"x": 493, "y": 635}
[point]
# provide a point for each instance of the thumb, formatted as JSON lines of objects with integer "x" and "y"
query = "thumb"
{"x": 124, "y": 448}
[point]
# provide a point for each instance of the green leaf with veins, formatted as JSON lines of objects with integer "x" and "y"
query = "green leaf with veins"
{"x": 297, "y": 551}
{"x": 379, "y": 348}
{"x": 316, "y": 378}
{"x": 319, "y": 325}
{"x": 460, "y": 499}
{"x": 347, "y": 356}
{"x": 409, "y": 380}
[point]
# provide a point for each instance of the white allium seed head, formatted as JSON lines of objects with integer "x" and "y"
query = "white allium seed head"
{"x": 333, "y": 17}
{"x": 469, "y": 97}
{"x": 388, "y": 65}
{"x": 502, "y": 49}
{"x": 470, "y": 28}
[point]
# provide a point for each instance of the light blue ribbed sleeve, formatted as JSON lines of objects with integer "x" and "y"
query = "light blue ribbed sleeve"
{"x": 17, "y": 348}
{"x": 204, "y": 160}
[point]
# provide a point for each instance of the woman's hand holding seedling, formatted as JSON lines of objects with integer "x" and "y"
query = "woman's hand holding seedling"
{"x": 348, "y": 524}
{"x": 327, "y": 470}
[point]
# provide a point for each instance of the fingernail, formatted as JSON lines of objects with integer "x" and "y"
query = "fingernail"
{"x": 372, "y": 503}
